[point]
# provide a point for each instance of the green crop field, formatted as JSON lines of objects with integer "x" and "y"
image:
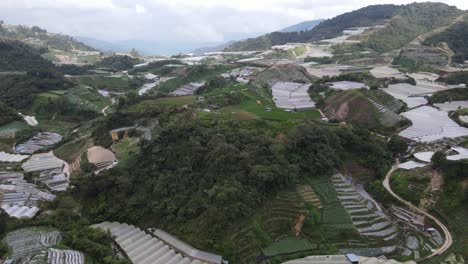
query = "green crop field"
{"x": 149, "y": 104}
{"x": 288, "y": 246}
{"x": 256, "y": 105}
{"x": 108, "y": 83}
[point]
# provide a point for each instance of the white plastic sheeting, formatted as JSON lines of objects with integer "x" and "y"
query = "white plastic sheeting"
{"x": 462, "y": 154}
{"x": 412, "y": 95}
{"x": 387, "y": 72}
{"x": 21, "y": 212}
{"x": 43, "y": 161}
{"x": 6, "y": 157}
{"x": 452, "y": 106}
{"x": 409, "y": 165}
{"x": 424, "y": 156}
{"x": 142, "y": 248}
{"x": 289, "y": 95}
{"x": 430, "y": 124}
{"x": 347, "y": 85}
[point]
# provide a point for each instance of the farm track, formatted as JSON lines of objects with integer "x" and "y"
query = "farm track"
{"x": 448, "y": 237}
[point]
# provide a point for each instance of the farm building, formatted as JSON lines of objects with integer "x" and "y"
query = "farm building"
{"x": 38, "y": 142}
{"x": 347, "y": 85}
{"x": 186, "y": 249}
{"x": 6, "y": 157}
{"x": 143, "y": 248}
{"x": 123, "y": 132}
{"x": 187, "y": 89}
{"x": 42, "y": 162}
{"x": 430, "y": 124}
{"x": 294, "y": 96}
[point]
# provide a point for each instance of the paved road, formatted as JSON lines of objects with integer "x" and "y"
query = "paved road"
{"x": 448, "y": 237}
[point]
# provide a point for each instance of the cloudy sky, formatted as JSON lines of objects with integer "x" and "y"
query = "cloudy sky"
{"x": 175, "y": 20}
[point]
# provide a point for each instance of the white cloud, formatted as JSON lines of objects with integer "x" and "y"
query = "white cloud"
{"x": 57, "y": 4}
{"x": 140, "y": 9}
{"x": 176, "y": 20}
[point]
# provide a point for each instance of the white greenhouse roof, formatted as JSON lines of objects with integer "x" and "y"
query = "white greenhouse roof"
{"x": 6, "y": 157}
{"x": 409, "y": 165}
{"x": 347, "y": 85}
{"x": 143, "y": 248}
{"x": 43, "y": 161}
{"x": 290, "y": 95}
{"x": 186, "y": 248}
{"x": 430, "y": 124}
{"x": 452, "y": 106}
{"x": 424, "y": 156}
{"x": 21, "y": 212}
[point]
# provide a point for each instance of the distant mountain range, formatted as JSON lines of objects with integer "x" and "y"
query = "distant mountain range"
{"x": 155, "y": 47}
{"x": 303, "y": 26}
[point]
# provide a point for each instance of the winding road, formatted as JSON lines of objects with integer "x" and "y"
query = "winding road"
{"x": 448, "y": 237}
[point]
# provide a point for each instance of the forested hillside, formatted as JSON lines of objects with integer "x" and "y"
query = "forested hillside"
{"x": 40, "y": 37}
{"x": 330, "y": 28}
{"x": 208, "y": 175}
{"x": 17, "y": 56}
{"x": 411, "y": 21}
{"x": 303, "y": 26}
{"x": 457, "y": 39}
{"x": 404, "y": 23}
{"x": 118, "y": 62}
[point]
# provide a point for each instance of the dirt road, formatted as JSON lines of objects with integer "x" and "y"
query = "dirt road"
{"x": 448, "y": 237}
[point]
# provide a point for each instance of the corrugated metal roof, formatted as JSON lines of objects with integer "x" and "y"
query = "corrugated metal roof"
{"x": 186, "y": 248}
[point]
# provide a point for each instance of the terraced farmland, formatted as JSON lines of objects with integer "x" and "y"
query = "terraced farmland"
{"x": 334, "y": 216}
{"x": 29, "y": 245}
{"x": 366, "y": 215}
{"x": 275, "y": 224}
{"x": 309, "y": 196}
{"x": 388, "y": 116}
{"x": 57, "y": 256}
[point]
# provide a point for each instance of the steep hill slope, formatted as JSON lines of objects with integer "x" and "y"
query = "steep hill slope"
{"x": 303, "y": 26}
{"x": 40, "y": 37}
{"x": 401, "y": 24}
{"x": 410, "y": 22}
{"x": 369, "y": 108}
{"x": 17, "y": 56}
{"x": 457, "y": 39}
{"x": 367, "y": 16}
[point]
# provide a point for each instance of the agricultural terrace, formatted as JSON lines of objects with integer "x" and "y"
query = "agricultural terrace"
{"x": 115, "y": 84}
{"x": 34, "y": 245}
{"x": 257, "y": 106}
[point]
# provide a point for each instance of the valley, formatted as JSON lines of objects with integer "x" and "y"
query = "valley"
{"x": 345, "y": 142}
